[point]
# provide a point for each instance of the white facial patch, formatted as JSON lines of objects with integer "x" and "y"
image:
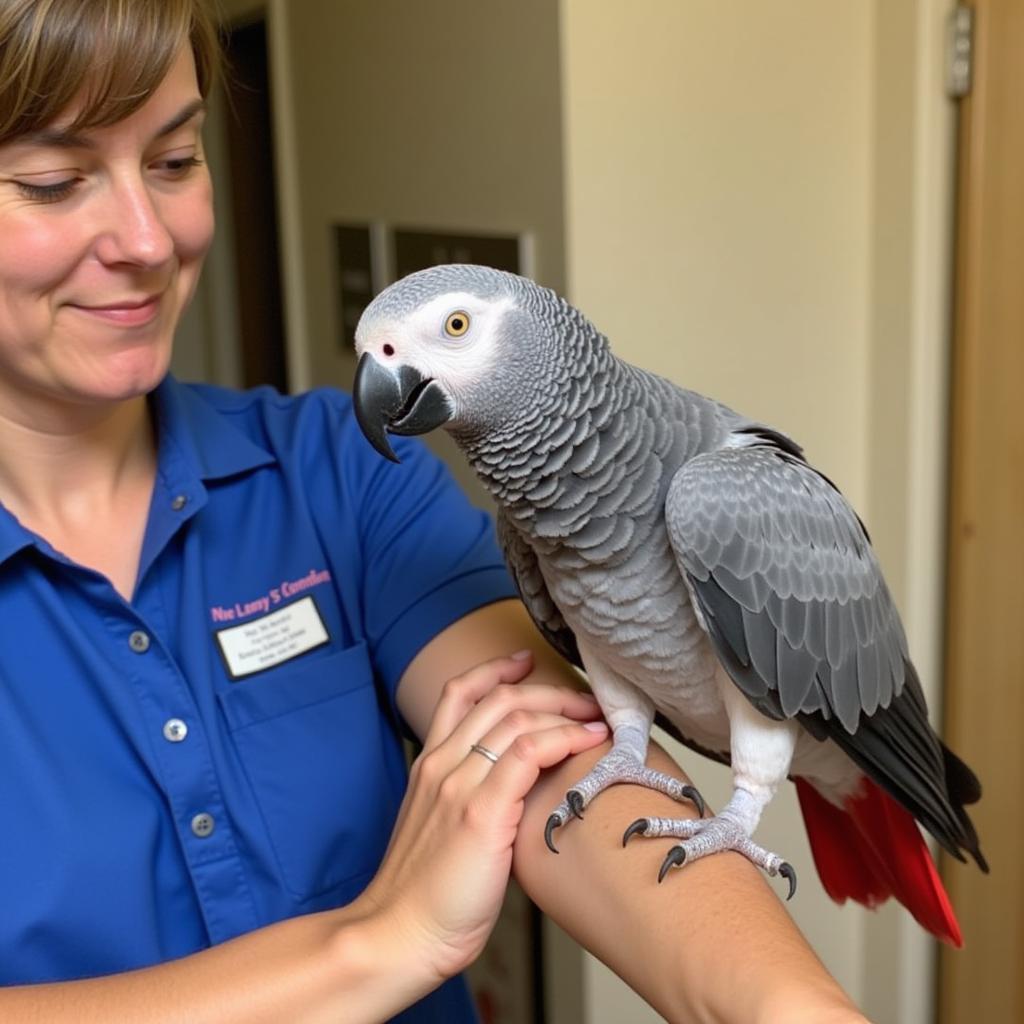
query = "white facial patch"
{"x": 420, "y": 341}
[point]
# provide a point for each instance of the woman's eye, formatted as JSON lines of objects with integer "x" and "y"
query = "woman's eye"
{"x": 47, "y": 193}
{"x": 457, "y": 324}
{"x": 178, "y": 167}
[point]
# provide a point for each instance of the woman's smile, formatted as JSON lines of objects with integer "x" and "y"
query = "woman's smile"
{"x": 137, "y": 312}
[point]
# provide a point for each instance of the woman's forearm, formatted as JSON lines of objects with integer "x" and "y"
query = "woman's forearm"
{"x": 425, "y": 915}
{"x": 338, "y": 965}
{"x": 712, "y": 943}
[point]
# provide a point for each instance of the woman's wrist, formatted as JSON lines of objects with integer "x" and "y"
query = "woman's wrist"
{"x": 384, "y": 957}
{"x": 808, "y": 1005}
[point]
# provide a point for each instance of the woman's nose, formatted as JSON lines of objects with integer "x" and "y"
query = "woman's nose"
{"x": 135, "y": 232}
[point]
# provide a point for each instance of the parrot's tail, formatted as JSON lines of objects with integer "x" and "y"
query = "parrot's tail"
{"x": 871, "y": 850}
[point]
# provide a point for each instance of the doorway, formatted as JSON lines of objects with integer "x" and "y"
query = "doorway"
{"x": 253, "y": 192}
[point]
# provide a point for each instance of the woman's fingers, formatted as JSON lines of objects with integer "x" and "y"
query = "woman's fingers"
{"x": 510, "y": 778}
{"x": 498, "y": 739}
{"x": 516, "y": 702}
{"x": 476, "y": 701}
{"x": 462, "y": 692}
{"x": 463, "y": 759}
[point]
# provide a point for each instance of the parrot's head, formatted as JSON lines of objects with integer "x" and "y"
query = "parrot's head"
{"x": 461, "y": 346}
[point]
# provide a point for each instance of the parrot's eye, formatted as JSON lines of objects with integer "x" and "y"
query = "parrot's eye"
{"x": 457, "y": 324}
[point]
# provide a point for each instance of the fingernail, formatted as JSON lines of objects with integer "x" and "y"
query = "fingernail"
{"x": 522, "y": 655}
{"x": 596, "y": 726}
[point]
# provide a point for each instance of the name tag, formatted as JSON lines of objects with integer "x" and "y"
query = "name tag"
{"x": 272, "y": 639}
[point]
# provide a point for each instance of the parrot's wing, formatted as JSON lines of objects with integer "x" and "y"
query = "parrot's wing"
{"x": 522, "y": 563}
{"x": 784, "y": 578}
{"x": 787, "y": 584}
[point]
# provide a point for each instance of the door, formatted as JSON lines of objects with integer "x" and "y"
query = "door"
{"x": 985, "y": 624}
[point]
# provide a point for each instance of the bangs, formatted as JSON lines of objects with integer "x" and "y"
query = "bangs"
{"x": 108, "y": 55}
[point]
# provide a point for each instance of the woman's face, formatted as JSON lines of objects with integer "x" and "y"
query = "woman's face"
{"x": 102, "y": 236}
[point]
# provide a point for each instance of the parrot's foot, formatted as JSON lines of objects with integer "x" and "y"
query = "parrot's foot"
{"x": 710, "y": 836}
{"x": 616, "y": 766}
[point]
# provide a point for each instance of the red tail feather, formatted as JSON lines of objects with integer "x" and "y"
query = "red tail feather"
{"x": 872, "y": 849}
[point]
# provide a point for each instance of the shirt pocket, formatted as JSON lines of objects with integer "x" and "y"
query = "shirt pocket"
{"x": 314, "y": 746}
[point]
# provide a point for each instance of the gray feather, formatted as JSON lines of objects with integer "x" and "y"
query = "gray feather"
{"x": 797, "y": 670}
{"x": 809, "y": 583}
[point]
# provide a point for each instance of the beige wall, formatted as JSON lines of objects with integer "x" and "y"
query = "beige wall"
{"x": 437, "y": 115}
{"x": 757, "y": 207}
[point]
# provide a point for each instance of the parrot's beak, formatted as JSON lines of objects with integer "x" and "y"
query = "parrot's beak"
{"x": 401, "y": 401}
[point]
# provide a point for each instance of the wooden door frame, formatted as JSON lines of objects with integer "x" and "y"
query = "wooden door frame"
{"x": 984, "y": 658}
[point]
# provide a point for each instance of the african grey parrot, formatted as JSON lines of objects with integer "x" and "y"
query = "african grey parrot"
{"x": 695, "y": 565}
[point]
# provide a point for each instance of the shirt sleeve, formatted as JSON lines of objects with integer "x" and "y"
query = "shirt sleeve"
{"x": 431, "y": 558}
{"x": 425, "y": 555}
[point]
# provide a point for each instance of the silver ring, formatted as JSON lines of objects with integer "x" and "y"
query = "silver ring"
{"x": 489, "y": 754}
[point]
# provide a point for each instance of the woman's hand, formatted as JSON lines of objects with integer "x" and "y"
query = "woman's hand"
{"x": 443, "y": 878}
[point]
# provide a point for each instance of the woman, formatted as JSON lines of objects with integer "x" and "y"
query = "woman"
{"x": 217, "y": 607}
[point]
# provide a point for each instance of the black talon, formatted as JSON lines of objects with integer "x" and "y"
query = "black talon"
{"x": 638, "y": 827}
{"x": 553, "y": 822}
{"x": 575, "y": 802}
{"x": 677, "y": 855}
{"x": 787, "y": 872}
{"x": 691, "y": 794}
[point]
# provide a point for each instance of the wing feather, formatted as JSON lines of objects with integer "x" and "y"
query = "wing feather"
{"x": 803, "y": 622}
{"x": 757, "y": 527}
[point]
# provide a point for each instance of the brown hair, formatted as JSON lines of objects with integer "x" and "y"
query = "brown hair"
{"x": 117, "y": 51}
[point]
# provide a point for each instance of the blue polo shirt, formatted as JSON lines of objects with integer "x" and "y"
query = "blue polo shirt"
{"x": 221, "y": 752}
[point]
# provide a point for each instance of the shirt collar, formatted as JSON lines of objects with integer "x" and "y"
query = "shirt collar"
{"x": 13, "y": 536}
{"x": 207, "y": 442}
{"x": 196, "y": 442}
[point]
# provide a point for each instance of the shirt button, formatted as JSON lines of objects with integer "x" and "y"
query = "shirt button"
{"x": 178, "y": 502}
{"x": 202, "y": 825}
{"x": 175, "y": 730}
{"x": 139, "y": 642}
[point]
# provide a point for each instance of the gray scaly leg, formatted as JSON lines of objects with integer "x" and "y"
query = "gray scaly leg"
{"x": 623, "y": 763}
{"x": 728, "y": 830}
